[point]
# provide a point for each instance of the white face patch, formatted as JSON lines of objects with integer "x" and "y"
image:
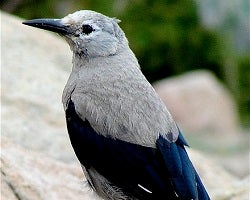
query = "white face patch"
{"x": 145, "y": 189}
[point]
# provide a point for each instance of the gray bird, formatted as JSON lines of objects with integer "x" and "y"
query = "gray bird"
{"x": 121, "y": 131}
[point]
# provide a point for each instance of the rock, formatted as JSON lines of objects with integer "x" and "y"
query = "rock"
{"x": 28, "y": 175}
{"x": 219, "y": 183}
{"x": 199, "y": 103}
{"x": 35, "y": 68}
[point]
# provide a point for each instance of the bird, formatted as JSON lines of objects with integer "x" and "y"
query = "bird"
{"x": 126, "y": 140}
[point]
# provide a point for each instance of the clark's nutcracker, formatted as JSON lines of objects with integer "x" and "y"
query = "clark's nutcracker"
{"x": 121, "y": 131}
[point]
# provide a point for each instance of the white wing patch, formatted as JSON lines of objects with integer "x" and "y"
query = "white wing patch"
{"x": 145, "y": 189}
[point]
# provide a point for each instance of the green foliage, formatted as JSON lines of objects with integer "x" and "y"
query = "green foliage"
{"x": 30, "y": 9}
{"x": 168, "y": 38}
{"x": 243, "y": 86}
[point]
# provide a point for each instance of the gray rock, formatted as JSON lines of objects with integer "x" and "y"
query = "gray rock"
{"x": 220, "y": 184}
{"x": 199, "y": 103}
{"x": 28, "y": 175}
{"x": 35, "y": 68}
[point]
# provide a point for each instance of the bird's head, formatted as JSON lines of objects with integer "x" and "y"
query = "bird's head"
{"x": 88, "y": 33}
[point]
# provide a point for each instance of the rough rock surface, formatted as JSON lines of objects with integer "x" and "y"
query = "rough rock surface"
{"x": 28, "y": 175}
{"x": 200, "y": 103}
{"x": 35, "y": 67}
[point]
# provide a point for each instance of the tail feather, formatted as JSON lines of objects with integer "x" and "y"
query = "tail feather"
{"x": 185, "y": 184}
{"x": 186, "y": 181}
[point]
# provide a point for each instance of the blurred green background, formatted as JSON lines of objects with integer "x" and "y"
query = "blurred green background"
{"x": 170, "y": 37}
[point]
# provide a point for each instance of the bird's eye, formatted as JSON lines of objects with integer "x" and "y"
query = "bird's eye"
{"x": 87, "y": 29}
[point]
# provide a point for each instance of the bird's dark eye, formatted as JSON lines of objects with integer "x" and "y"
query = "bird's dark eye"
{"x": 87, "y": 29}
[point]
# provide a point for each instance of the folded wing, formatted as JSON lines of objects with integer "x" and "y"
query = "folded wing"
{"x": 164, "y": 172}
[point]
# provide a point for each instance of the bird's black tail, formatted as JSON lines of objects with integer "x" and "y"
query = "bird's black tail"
{"x": 186, "y": 181}
{"x": 189, "y": 184}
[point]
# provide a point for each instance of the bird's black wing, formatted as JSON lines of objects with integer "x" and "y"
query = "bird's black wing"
{"x": 139, "y": 171}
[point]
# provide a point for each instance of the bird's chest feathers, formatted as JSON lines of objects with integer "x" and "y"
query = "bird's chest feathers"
{"x": 120, "y": 106}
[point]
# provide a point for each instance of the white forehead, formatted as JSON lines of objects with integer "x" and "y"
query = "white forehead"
{"x": 79, "y": 17}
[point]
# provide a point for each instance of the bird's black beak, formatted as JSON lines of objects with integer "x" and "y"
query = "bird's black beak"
{"x": 53, "y": 25}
